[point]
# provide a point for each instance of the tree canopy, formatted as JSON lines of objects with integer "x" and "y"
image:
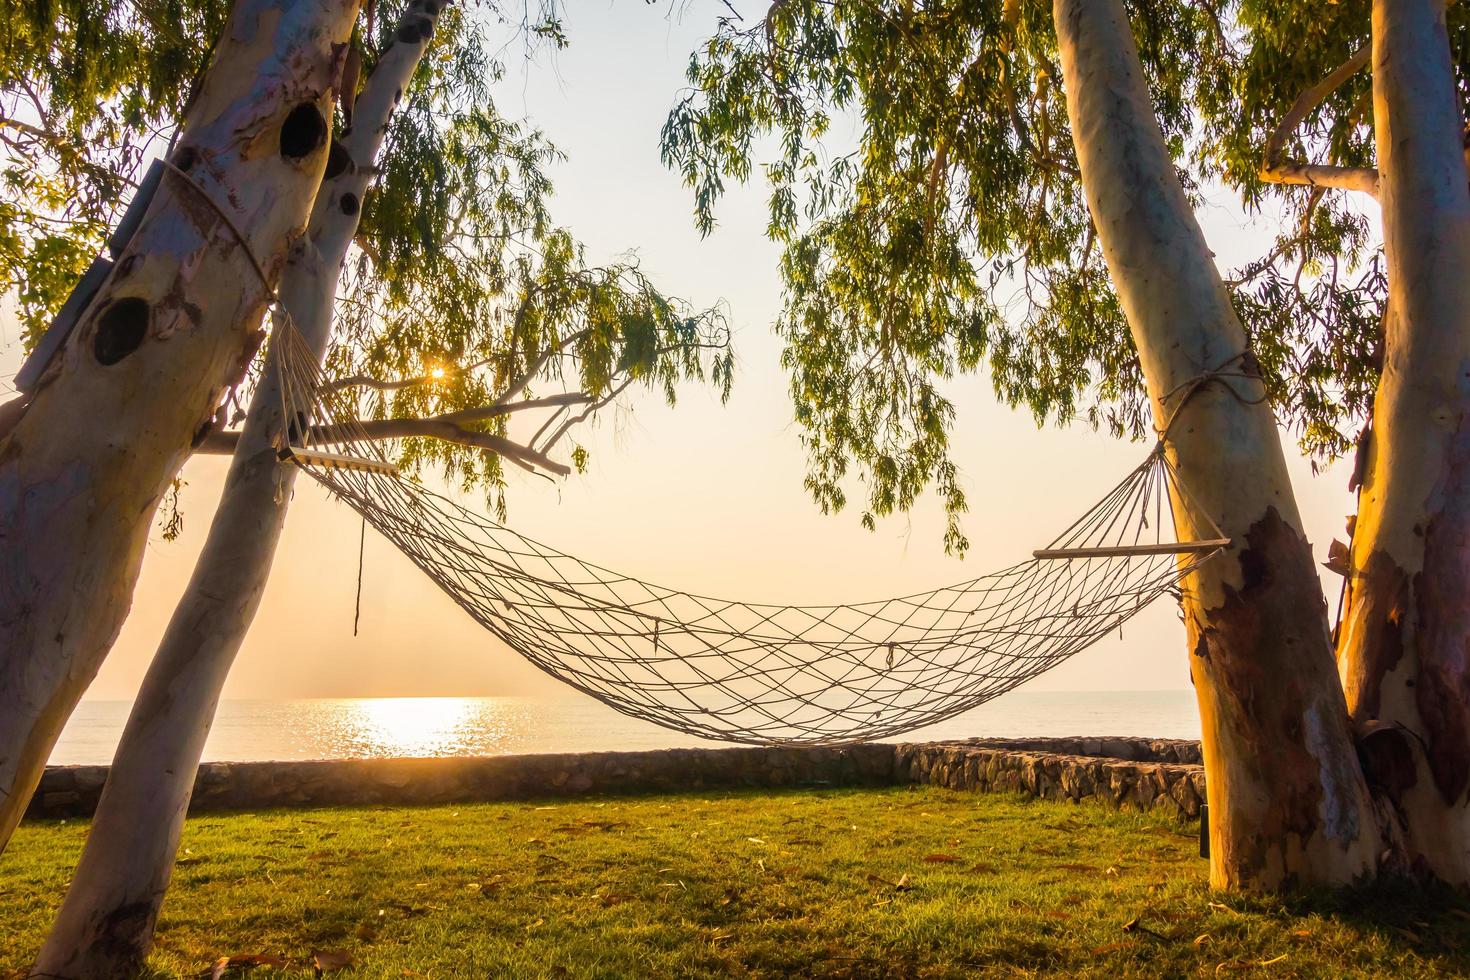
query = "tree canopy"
{"x": 949, "y": 234}
{"x": 458, "y": 269}
{"x": 87, "y": 88}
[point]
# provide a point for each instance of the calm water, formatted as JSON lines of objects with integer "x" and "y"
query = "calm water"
{"x": 342, "y": 728}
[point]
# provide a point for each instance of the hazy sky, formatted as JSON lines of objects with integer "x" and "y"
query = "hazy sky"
{"x": 704, "y": 497}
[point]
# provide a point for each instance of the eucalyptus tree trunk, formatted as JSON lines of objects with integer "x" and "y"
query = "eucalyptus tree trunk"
{"x": 114, "y": 416}
{"x": 1288, "y": 803}
{"x": 1404, "y": 645}
{"x": 105, "y": 926}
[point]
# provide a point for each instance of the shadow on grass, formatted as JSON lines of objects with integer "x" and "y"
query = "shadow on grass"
{"x": 1429, "y": 920}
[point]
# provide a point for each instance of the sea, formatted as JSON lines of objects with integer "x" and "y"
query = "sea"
{"x": 360, "y": 728}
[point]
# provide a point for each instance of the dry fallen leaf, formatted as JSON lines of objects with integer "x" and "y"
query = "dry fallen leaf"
{"x": 329, "y": 960}
{"x": 1232, "y": 965}
{"x": 1203, "y": 938}
{"x": 903, "y": 884}
{"x": 246, "y": 961}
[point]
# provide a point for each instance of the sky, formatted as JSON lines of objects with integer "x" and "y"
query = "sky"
{"x": 703, "y": 497}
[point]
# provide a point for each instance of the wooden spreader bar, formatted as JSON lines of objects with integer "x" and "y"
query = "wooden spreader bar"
{"x": 1126, "y": 550}
{"x": 338, "y": 462}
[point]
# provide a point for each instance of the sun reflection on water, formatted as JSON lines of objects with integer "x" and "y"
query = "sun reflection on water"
{"x": 414, "y": 726}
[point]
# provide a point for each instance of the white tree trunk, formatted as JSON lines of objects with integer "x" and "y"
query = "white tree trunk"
{"x": 1403, "y": 649}
{"x": 1288, "y": 804}
{"x": 106, "y": 922}
{"x": 112, "y": 419}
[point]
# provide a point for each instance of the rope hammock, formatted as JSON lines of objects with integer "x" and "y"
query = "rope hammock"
{"x": 752, "y": 672}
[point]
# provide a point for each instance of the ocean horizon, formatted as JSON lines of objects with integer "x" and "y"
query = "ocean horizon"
{"x": 361, "y": 728}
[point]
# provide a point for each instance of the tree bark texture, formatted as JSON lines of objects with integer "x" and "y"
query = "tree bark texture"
{"x": 113, "y": 417}
{"x": 105, "y": 926}
{"x": 1404, "y": 642}
{"x": 1288, "y": 803}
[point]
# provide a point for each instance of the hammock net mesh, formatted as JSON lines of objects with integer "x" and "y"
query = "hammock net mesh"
{"x": 752, "y": 672}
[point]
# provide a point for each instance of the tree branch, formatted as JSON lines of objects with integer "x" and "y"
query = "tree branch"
{"x": 499, "y": 408}
{"x": 224, "y": 442}
{"x": 1275, "y": 170}
{"x": 523, "y": 456}
{"x": 582, "y": 416}
{"x": 1363, "y": 179}
{"x": 376, "y": 384}
{"x": 534, "y": 368}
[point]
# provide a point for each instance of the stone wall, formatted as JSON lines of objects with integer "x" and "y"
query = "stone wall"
{"x": 1175, "y": 750}
{"x": 72, "y": 791}
{"x": 1176, "y": 789}
{"x": 1142, "y": 774}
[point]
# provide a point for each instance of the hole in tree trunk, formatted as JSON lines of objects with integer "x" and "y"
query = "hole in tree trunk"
{"x": 120, "y": 330}
{"x": 303, "y": 131}
{"x": 337, "y": 161}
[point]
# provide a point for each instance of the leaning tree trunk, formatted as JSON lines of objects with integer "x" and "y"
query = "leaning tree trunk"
{"x": 1288, "y": 803}
{"x": 1404, "y": 644}
{"x": 113, "y": 417}
{"x": 106, "y": 923}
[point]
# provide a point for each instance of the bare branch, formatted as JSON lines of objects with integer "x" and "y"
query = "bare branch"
{"x": 506, "y": 408}
{"x": 224, "y": 442}
{"x": 523, "y": 456}
{"x": 582, "y": 416}
{"x": 1275, "y": 170}
{"x": 1363, "y": 179}
{"x": 534, "y": 368}
{"x": 376, "y": 384}
{"x": 380, "y": 384}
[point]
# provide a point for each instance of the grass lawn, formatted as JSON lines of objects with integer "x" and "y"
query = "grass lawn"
{"x": 840, "y": 883}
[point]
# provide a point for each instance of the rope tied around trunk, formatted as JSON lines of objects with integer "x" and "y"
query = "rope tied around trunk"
{"x": 240, "y": 239}
{"x": 1190, "y": 387}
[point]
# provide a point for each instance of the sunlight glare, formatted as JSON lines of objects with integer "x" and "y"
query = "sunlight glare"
{"x": 412, "y": 726}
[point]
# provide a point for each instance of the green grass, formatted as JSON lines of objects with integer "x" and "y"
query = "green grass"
{"x": 749, "y": 884}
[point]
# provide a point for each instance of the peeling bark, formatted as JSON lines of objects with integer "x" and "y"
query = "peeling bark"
{"x": 105, "y": 926}
{"x": 1288, "y": 802}
{"x": 113, "y": 416}
{"x": 1402, "y": 644}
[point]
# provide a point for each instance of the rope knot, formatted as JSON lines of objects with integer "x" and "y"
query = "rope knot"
{"x": 1249, "y": 370}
